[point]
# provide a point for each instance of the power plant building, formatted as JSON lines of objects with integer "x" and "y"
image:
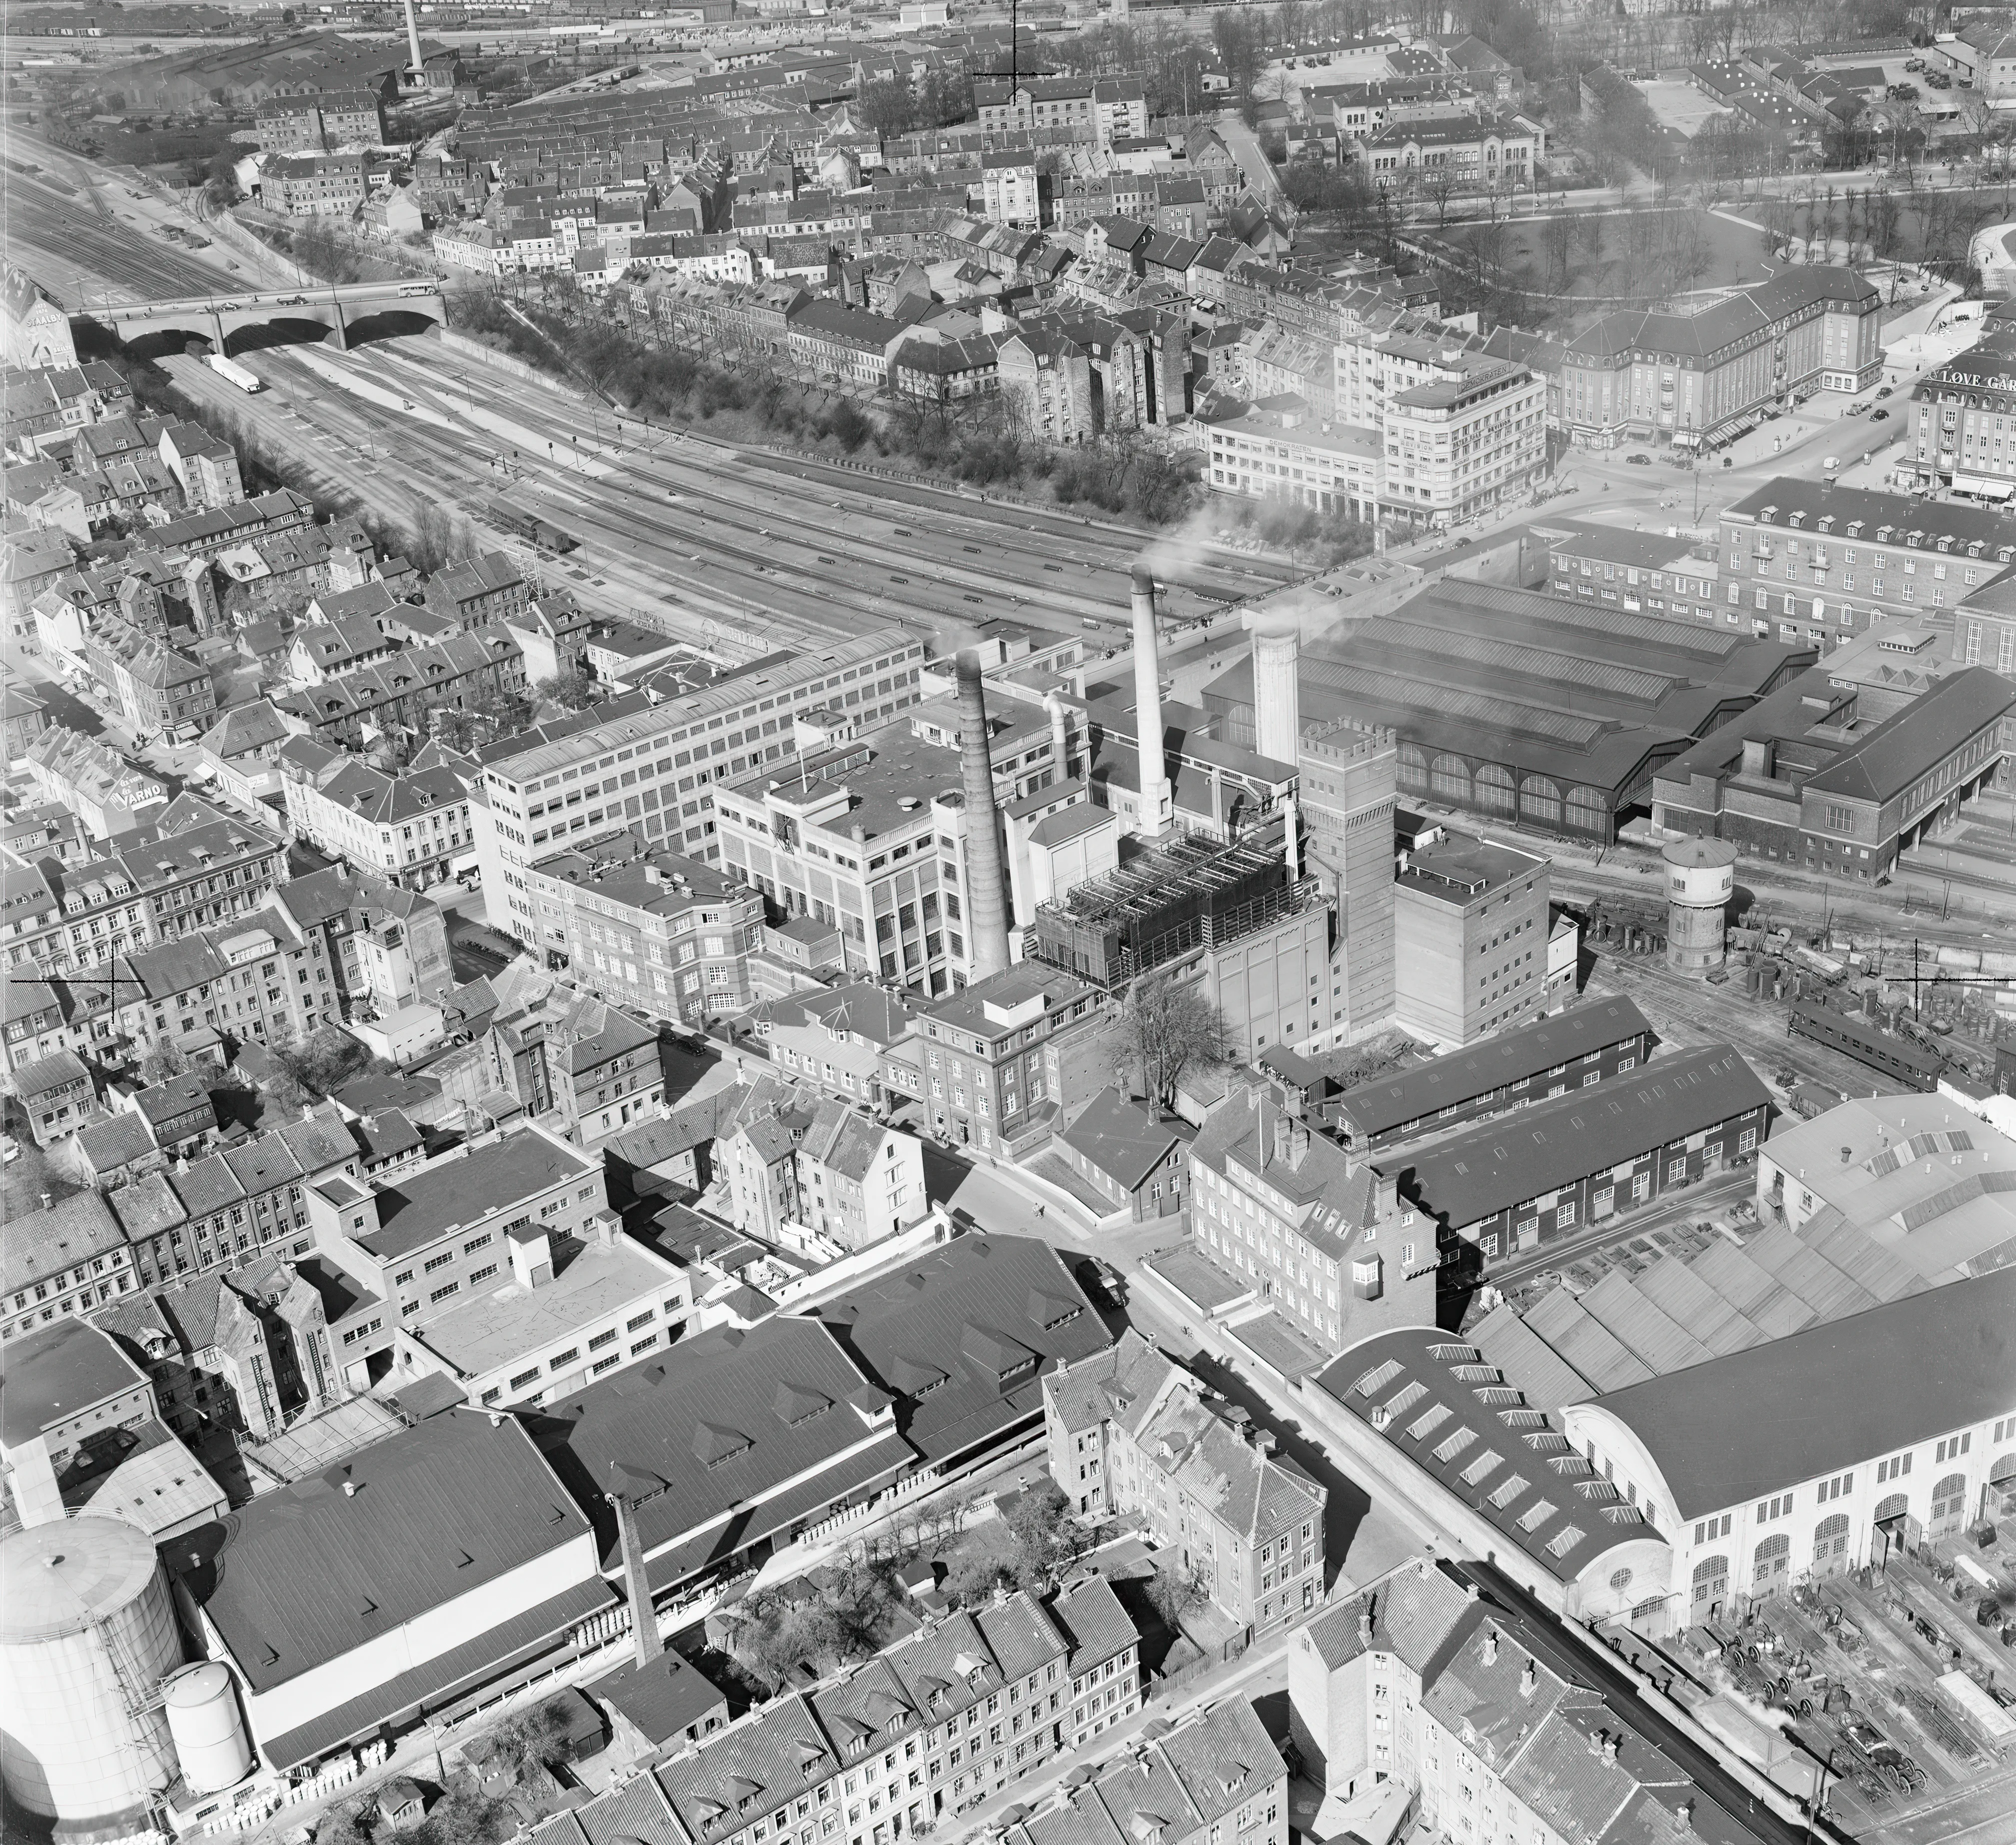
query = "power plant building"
{"x": 1519, "y": 706}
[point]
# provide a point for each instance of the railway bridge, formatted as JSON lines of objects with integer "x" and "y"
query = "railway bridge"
{"x": 342, "y": 307}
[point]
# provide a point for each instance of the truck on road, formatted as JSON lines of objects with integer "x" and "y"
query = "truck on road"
{"x": 231, "y": 373}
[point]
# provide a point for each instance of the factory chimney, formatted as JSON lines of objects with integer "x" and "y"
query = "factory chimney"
{"x": 1277, "y": 708}
{"x": 637, "y": 1580}
{"x": 1291, "y": 821}
{"x": 1156, "y": 802}
{"x": 986, "y": 912}
{"x": 417, "y": 70}
{"x": 1060, "y": 735}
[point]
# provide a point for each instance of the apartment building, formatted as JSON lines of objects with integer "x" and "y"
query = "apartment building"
{"x": 1288, "y": 1215}
{"x": 159, "y": 691}
{"x": 1000, "y": 1062}
{"x": 648, "y": 928}
{"x": 1419, "y": 1697}
{"x": 849, "y": 345}
{"x": 1280, "y": 448}
{"x": 234, "y": 1203}
{"x": 1641, "y": 572}
{"x": 406, "y": 827}
{"x": 1214, "y": 1778}
{"x": 61, "y": 1262}
{"x": 1471, "y": 434}
{"x": 109, "y": 797}
{"x": 398, "y": 696}
{"x": 386, "y": 948}
{"x": 1010, "y": 193}
{"x": 479, "y": 592}
{"x": 656, "y": 766}
{"x": 256, "y": 977}
{"x": 795, "y": 1158}
{"x": 548, "y": 1047}
{"x": 866, "y": 833}
{"x": 1810, "y": 555}
{"x": 1100, "y": 110}
{"x": 1963, "y": 423}
{"x": 1131, "y": 1434}
{"x": 836, "y": 1038}
{"x": 310, "y": 186}
{"x": 155, "y": 887}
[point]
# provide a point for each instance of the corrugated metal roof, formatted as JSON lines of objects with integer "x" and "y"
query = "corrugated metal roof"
{"x": 1585, "y": 1343}
{"x": 1808, "y": 1275}
{"x": 1542, "y": 1373}
{"x": 1851, "y": 1248}
{"x": 1651, "y": 1334}
{"x": 1717, "y": 1323}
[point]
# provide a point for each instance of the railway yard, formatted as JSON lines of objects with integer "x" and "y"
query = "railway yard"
{"x": 690, "y": 535}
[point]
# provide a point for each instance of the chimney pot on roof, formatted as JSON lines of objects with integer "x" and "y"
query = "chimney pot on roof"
{"x": 49, "y": 1201}
{"x": 1528, "y": 1680}
{"x": 1610, "y": 1749}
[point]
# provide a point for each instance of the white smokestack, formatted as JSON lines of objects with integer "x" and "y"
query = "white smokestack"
{"x": 1060, "y": 734}
{"x": 1156, "y": 802}
{"x": 1277, "y": 707}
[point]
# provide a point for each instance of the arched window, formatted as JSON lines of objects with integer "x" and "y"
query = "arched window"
{"x": 1588, "y": 811}
{"x": 1496, "y": 792}
{"x": 1450, "y": 780}
{"x": 2002, "y": 1473}
{"x": 1897, "y": 1506}
{"x": 1540, "y": 800}
{"x": 1773, "y": 1558}
{"x": 1949, "y": 1505}
{"x": 1413, "y": 771}
{"x": 1831, "y": 1541}
{"x": 1711, "y": 1579}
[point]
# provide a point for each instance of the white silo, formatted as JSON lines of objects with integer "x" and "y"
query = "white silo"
{"x": 86, "y": 1632}
{"x": 204, "y": 1717}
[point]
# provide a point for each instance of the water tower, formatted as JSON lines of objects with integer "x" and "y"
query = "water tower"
{"x": 1700, "y": 880}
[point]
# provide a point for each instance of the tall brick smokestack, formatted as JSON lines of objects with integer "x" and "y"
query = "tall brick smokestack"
{"x": 1157, "y": 802}
{"x": 986, "y": 889}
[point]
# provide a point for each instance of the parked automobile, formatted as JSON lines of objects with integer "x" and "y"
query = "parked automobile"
{"x": 1639, "y": 460}
{"x": 1879, "y": 416}
{"x": 1884, "y": 390}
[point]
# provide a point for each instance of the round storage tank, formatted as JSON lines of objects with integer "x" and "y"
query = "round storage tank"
{"x": 86, "y": 1632}
{"x": 202, "y": 1704}
{"x": 1700, "y": 880}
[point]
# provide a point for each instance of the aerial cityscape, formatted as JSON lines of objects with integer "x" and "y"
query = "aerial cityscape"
{"x": 1010, "y": 921}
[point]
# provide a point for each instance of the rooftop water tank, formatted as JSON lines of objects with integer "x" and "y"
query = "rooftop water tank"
{"x": 204, "y": 1717}
{"x": 86, "y": 1634}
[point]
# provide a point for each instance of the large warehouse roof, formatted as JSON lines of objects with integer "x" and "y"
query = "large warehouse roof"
{"x": 1474, "y": 1176}
{"x": 304, "y": 1574}
{"x": 1749, "y": 1425}
{"x": 965, "y": 1335}
{"x": 1581, "y": 694}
